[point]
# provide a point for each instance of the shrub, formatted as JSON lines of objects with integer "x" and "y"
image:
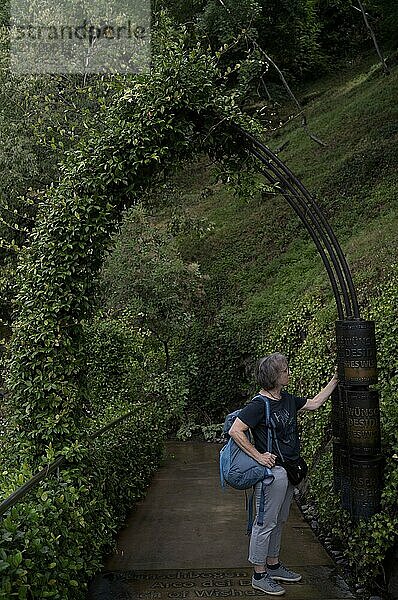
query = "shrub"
{"x": 53, "y": 540}
{"x": 145, "y": 277}
{"x": 220, "y": 381}
{"x": 119, "y": 361}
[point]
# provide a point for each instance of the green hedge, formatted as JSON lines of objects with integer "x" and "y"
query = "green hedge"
{"x": 53, "y": 541}
{"x": 119, "y": 362}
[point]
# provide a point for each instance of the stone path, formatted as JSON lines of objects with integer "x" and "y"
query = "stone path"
{"x": 187, "y": 541}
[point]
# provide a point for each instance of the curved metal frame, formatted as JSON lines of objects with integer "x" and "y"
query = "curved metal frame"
{"x": 299, "y": 198}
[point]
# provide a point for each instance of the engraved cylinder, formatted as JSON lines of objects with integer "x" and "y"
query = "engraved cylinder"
{"x": 366, "y": 483}
{"x": 363, "y": 422}
{"x": 356, "y": 352}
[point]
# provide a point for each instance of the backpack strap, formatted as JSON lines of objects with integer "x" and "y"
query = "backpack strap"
{"x": 271, "y": 429}
{"x": 222, "y": 480}
{"x": 250, "y": 511}
{"x": 275, "y": 438}
{"x": 261, "y": 508}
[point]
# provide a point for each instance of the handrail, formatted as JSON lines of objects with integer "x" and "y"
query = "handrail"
{"x": 105, "y": 428}
{"x": 16, "y": 496}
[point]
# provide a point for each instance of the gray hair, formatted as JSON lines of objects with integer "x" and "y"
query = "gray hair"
{"x": 269, "y": 368}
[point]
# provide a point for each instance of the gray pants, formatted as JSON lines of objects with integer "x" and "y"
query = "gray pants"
{"x": 266, "y": 540}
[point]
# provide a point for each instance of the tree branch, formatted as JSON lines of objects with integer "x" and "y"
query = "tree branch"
{"x": 373, "y": 36}
{"x": 282, "y": 77}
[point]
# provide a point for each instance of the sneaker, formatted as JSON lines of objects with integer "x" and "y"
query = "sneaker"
{"x": 282, "y": 573}
{"x": 268, "y": 586}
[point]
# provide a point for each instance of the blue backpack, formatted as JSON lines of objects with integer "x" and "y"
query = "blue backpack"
{"x": 241, "y": 471}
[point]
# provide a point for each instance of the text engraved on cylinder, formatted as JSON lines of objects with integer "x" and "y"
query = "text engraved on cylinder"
{"x": 356, "y": 352}
{"x": 363, "y": 421}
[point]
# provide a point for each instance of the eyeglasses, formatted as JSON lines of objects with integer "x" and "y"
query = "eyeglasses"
{"x": 287, "y": 370}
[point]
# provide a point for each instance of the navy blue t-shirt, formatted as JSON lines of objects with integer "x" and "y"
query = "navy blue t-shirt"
{"x": 284, "y": 415}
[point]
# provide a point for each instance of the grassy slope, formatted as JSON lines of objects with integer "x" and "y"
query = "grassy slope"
{"x": 258, "y": 256}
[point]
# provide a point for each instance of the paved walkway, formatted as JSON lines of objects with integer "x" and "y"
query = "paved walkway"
{"x": 187, "y": 540}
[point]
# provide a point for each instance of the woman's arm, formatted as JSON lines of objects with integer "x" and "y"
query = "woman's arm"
{"x": 237, "y": 432}
{"x": 319, "y": 399}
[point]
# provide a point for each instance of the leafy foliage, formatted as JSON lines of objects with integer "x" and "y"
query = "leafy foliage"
{"x": 387, "y": 11}
{"x": 41, "y": 116}
{"x": 152, "y": 121}
{"x": 219, "y": 382}
{"x": 341, "y": 28}
{"x": 286, "y": 31}
{"x": 54, "y": 540}
{"x": 145, "y": 277}
{"x": 153, "y": 126}
{"x": 119, "y": 363}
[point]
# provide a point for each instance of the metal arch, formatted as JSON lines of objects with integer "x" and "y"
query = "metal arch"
{"x": 321, "y": 232}
{"x": 292, "y": 202}
{"x": 324, "y": 223}
{"x": 318, "y": 234}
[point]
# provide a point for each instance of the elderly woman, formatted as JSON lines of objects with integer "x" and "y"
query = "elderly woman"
{"x": 273, "y": 376}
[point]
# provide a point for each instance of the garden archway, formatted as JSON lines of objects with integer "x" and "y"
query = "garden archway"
{"x": 143, "y": 134}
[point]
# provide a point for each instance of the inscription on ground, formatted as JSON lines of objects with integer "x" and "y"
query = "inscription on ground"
{"x": 320, "y": 583}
